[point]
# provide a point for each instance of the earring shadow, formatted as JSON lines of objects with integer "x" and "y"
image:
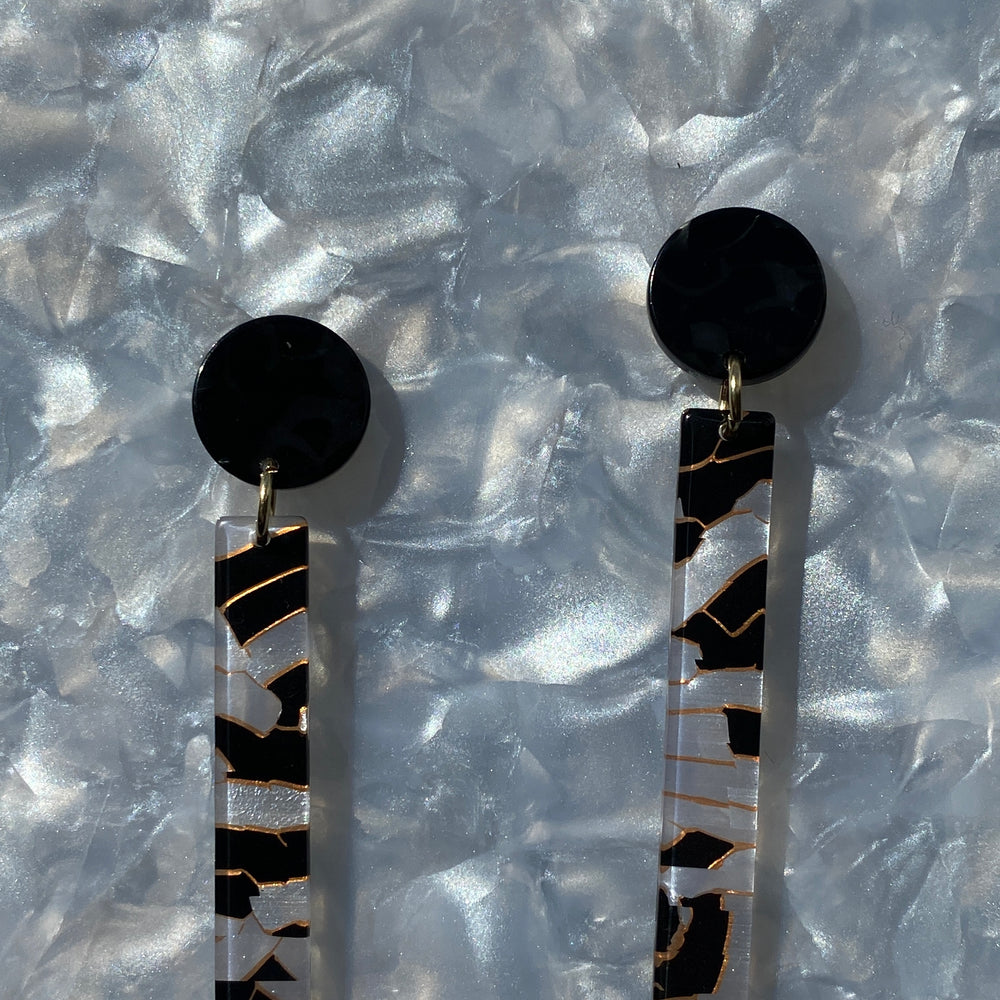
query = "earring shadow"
{"x": 807, "y": 392}
{"x": 352, "y": 494}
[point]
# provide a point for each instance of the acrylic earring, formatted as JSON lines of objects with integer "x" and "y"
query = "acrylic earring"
{"x": 736, "y": 295}
{"x": 279, "y": 402}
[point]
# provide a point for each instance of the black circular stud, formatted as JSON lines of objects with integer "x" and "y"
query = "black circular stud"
{"x": 736, "y": 281}
{"x": 284, "y": 388}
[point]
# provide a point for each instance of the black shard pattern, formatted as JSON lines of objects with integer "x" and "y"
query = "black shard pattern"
{"x": 262, "y": 769}
{"x": 714, "y": 671}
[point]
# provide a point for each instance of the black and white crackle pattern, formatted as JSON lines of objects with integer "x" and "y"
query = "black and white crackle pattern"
{"x": 261, "y": 762}
{"x": 713, "y": 708}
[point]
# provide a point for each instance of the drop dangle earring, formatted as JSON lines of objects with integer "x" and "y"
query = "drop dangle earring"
{"x": 279, "y": 402}
{"x": 736, "y": 295}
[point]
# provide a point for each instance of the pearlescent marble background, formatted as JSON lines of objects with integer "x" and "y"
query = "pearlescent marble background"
{"x": 471, "y": 193}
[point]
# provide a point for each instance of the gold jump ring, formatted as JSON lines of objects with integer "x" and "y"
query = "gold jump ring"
{"x": 265, "y": 505}
{"x": 731, "y": 398}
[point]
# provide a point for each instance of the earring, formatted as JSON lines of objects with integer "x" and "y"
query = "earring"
{"x": 736, "y": 295}
{"x": 279, "y": 402}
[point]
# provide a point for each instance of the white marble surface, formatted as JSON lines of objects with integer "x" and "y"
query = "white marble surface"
{"x": 471, "y": 193}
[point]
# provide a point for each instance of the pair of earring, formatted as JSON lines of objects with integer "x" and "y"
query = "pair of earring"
{"x": 736, "y": 295}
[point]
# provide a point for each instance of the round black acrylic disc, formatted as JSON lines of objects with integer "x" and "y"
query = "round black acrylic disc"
{"x": 736, "y": 281}
{"x": 284, "y": 388}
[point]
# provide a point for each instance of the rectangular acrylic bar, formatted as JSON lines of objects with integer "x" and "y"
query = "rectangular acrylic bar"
{"x": 261, "y": 760}
{"x": 714, "y": 670}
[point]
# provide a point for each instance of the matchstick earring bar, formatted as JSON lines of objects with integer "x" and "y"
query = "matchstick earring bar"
{"x": 279, "y": 402}
{"x": 737, "y": 295}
